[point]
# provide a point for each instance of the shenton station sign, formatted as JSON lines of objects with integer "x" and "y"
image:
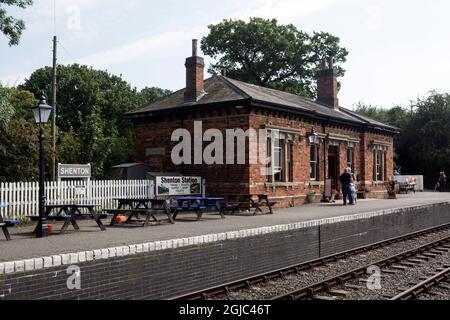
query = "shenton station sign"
{"x": 177, "y": 186}
{"x": 74, "y": 171}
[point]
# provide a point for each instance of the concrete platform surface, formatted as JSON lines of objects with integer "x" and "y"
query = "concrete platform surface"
{"x": 25, "y": 246}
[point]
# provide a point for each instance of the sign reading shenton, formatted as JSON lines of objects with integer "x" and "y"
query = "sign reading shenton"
{"x": 71, "y": 171}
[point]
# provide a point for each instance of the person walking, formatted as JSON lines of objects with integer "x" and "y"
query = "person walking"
{"x": 346, "y": 181}
{"x": 442, "y": 182}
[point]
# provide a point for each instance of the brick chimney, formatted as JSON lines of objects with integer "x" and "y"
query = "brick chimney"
{"x": 327, "y": 85}
{"x": 194, "y": 75}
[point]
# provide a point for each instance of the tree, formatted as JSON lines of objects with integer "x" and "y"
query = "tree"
{"x": 12, "y": 28}
{"x": 91, "y": 104}
{"x": 150, "y": 94}
{"x": 423, "y": 144}
{"x": 268, "y": 54}
{"x": 19, "y": 137}
{"x": 6, "y": 108}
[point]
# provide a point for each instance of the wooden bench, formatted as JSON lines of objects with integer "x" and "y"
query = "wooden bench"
{"x": 133, "y": 215}
{"x": 180, "y": 208}
{"x": 246, "y": 203}
{"x": 5, "y": 229}
{"x": 3, "y": 224}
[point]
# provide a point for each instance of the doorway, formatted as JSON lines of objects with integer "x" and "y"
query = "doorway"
{"x": 333, "y": 166}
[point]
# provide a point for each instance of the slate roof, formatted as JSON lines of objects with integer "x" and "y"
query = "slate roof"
{"x": 222, "y": 89}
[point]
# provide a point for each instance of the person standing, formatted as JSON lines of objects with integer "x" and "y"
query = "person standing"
{"x": 442, "y": 182}
{"x": 346, "y": 181}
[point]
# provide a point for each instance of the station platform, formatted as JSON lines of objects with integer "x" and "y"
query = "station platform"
{"x": 25, "y": 246}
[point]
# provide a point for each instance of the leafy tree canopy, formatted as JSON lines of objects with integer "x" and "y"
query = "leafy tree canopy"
{"x": 269, "y": 54}
{"x": 423, "y": 145}
{"x": 90, "y": 108}
{"x": 11, "y": 27}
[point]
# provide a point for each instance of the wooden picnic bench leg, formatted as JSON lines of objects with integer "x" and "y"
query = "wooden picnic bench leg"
{"x": 6, "y": 233}
{"x": 97, "y": 219}
{"x": 147, "y": 218}
{"x": 65, "y": 226}
{"x": 199, "y": 213}
{"x": 269, "y": 206}
{"x": 75, "y": 225}
{"x": 175, "y": 213}
{"x": 222, "y": 215}
{"x": 130, "y": 217}
{"x": 167, "y": 211}
{"x": 257, "y": 208}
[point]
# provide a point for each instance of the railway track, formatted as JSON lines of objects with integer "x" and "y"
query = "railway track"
{"x": 398, "y": 260}
{"x": 225, "y": 289}
{"x": 425, "y": 285}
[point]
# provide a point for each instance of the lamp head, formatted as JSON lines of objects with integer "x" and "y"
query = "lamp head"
{"x": 42, "y": 111}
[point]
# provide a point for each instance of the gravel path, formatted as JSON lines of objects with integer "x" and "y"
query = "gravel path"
{"x": 265, "y": 291}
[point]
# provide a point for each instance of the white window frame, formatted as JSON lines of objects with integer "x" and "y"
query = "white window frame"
{"x": 315, "y": 162}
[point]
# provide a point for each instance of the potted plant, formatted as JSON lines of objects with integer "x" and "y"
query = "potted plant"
{"x": 311, "y": 196}
{"x": 334, "y": 193}
{"x": 366, "y": 192}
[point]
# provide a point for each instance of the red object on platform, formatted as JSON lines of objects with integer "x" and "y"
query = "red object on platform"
{"x": 120, "y": 219}
{"x": 50, "y": 228}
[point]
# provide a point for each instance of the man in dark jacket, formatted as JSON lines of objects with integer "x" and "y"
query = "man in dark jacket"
{"x": 442, "y": 182}
{"x": 346, "y": 179}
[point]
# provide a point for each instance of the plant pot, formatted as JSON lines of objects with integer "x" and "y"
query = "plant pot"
{"x": 365, "y": 195}
{"x": 311, "y": 198}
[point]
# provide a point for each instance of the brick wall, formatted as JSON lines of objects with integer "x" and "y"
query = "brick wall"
{"x": 171, "y": 272}
{"x": 226, "y": 179}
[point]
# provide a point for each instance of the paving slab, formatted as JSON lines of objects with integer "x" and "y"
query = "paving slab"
{"x": 25, "y": 246}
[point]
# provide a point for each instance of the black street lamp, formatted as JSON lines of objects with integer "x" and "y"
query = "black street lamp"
{"x": 313, "y": 137}
{"x": 41, "y": 114}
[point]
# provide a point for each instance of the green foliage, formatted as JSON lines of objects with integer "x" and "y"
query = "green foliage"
{"x": 6, "y": 108}
{"x": 148, "y": 95}
{"x": 19, "y": 138}
{"x": 268, "y": 54}
{"x": 423, "y": 145}
{"x": 90, "y": 107}
{"x": 12, "y": 28}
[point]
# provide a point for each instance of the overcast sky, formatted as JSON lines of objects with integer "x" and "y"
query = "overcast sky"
{"x": 399, "y": 49}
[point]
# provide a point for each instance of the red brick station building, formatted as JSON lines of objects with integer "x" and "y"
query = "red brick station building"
{"x": 342, "y": 137}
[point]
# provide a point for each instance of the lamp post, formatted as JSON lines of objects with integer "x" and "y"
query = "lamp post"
{"x": 42, "y": 113}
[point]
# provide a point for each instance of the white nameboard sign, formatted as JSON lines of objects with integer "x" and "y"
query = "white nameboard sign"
{"x": 74, "y": 171}
{"x": 178, "y": 186}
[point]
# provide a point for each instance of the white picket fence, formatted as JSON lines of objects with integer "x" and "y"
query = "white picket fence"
{"x": 22, "y": 198}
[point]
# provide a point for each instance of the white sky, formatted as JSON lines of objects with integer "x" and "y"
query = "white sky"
{"x": 399, "y": 49}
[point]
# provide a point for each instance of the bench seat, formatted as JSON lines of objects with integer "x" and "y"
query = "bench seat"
{"x": 188, "y": 207}
{"x": 77, "y": 217}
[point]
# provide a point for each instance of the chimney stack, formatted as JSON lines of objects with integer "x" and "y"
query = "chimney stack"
{"x": 194, "y": 75}
{"x": 327, "y": 85}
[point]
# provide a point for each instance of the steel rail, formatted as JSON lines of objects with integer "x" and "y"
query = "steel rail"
{"x": 423, "y": 286}
{"x": 279, "y": 273}
{"x": 311, "y": 290}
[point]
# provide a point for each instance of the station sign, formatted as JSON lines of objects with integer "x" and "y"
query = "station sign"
{"x": 74, "y": 171}
{"x": 178, "y": 186}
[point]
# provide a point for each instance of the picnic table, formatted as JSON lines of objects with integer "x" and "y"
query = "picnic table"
{"x": 197, "y": 205}
{"x": 247, "y": 202}
{"x": 138, "y": 207}
{"x": 408, "y": 185}
{"x": 3, "y": 225}
{"x": 70, "y": 214}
